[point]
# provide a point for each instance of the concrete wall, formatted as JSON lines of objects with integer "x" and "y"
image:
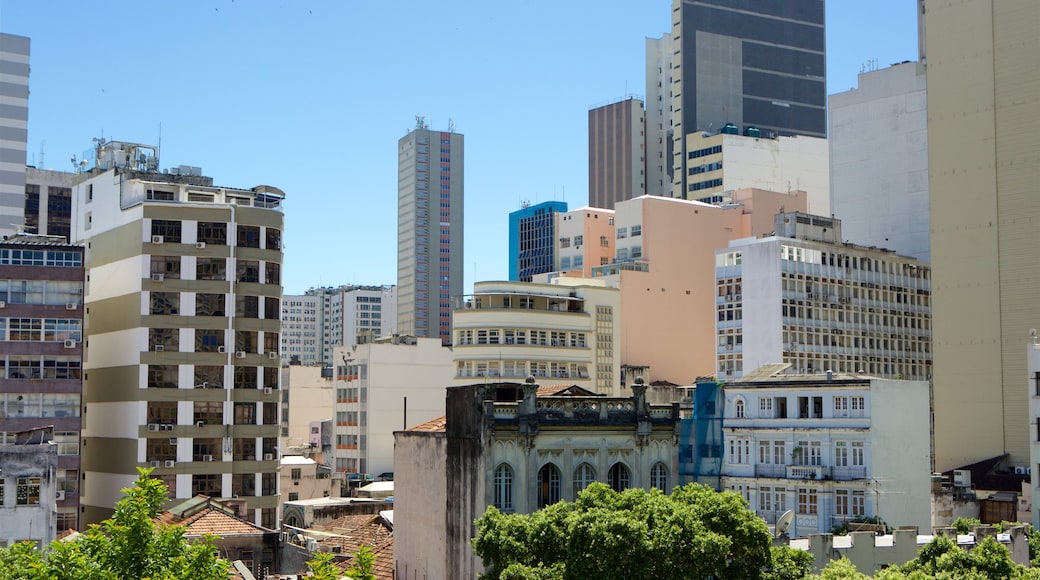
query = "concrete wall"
{"x": 879, "y": 160}
{"x": 420, "y": 504}
{"x": 900, "y": 451}
{"x": 34, "y": 522}
{"x": 311, "y": 399}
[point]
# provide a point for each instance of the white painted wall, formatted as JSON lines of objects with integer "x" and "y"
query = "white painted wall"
{"x": 901, "y": 451}
{"x": 420, "y": 501}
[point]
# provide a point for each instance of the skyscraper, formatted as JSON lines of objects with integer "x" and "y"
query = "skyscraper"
{"x": 983, "y": 139}
{"x": 14, "y": 119}
{"x": 429, "y": 230}
{"x": 617, "y": 153}
{"x": 756, "y": 65}
{"x": 183, "y": 293}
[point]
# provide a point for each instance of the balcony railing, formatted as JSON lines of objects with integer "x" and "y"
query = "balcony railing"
{"x": 849, "y": 473}
{"x": 769, "y": 470}
{"x": 807, "y": 472}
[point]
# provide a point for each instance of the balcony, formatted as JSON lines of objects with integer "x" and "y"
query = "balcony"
{"x": 849, "y": 473}
{"x": 770, "y": 470}
{"x": 808, "y": 472}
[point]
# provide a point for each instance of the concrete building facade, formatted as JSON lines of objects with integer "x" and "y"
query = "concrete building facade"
{"x": 532, "y": 239}
{"x": 304, "y": 478}
{"x": 502, "y": 444}
{"x": 879, "y": 160}
{"x": 658, "y": 115}
{"x": 28, "y": 487}
{"x": 617, "y": 152}
{"x": 664, "y": 267}
{"x": 323, "y": 318}
{"x": 983, "y": 135}
{"x": 760, "y": 66}
{"x": 48, "y": 202}
{"x": 719, "y": 164}
{"x": 562, "y": 332}
{"x": 831, "y": 449}
{"x": 584, "y": 240}
{"x": 804, "y": 298}
{"x": 183, "y": 299}
{"x": 380, "y": 386}
{"x": 14, "y": 130}
{"x": 308, "y": 397}
{"x": 430, "y": 198}
{"x": 41, "y": 352}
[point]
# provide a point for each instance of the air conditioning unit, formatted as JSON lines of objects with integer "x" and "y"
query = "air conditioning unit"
{"x": 200, "y": 245}
{"x": 207, "y": 458}
{"x": 70, "y": 343}
{"x": 154, "y": 463}
{"x": 729, "y": 347}
{"x": 268, "y": 456}
{"x": 153, "y": 426}
{"x": 221, "y": 349}
{"x": 1020, "y": 470}
{"x": 3, "y": 304}
{"x": 173, "y": 440}
{"x": 158, "y": 277}
{"x": 200, "y": 424}
{"x": 267, "y": 390}
{"x": 961, "y": 478}
{"x": 60, "y": 495}
{"x": 157, "y": 239}
{"x": 166, "y": 427}
{"x": 170, "y": 463}
{"x": 272, "y": 355}
{"x": 71, "y": 306}
{"x": 158, "y": 348}
{"x": 736, "y": 296}
{"x": 240, "y": 354}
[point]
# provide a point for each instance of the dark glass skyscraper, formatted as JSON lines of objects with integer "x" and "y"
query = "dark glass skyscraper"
{"x": 754, "y": 64}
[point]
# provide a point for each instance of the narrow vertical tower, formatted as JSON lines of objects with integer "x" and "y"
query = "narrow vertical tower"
{"x": 429, "y": 230}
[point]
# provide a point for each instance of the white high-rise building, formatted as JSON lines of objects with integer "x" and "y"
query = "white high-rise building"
{"x": 14, "y": 124}
{"x": 323, "y": 318}
{"x": 659, "y": 55}
{"x": 183, "y": 297}
{"x": 879, "y": 160}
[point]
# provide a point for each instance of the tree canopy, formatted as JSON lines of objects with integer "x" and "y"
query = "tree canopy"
{"x": 129, "y": 546}
{"x": 695, "y": 532}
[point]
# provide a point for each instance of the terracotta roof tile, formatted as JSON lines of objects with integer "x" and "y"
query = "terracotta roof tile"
{"x": 433, "y": 425}
{"x": 211, "y": 521}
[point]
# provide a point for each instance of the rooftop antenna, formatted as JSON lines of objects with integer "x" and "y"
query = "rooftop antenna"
{"x": 42, "y": 165}
{"x": 420, "y": 122}
{"x": 451, "y": 125}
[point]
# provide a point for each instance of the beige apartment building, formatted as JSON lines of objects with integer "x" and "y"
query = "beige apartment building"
{"x": 307, "y": 397}
{"x": 585, "y": 239}
{"x": 983, "y": 139}
{"x": 665, "y": 268}
{"x": 563, "y": 332}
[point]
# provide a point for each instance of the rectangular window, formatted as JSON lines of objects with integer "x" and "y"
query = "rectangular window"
{"x": 248, "y": 236}
{"x": 208, "y": 340}
{"x": 162, "y": 376}
{"x": 248, "y": 271}
{"x": 274, "y": 239}
{"x": 209, "y": 305}
{"x": 209, "y": 377}
{"x": 857, "y": 453}
{"x": 170, "y": 230}
{"x": 166, "y": 266}
{"x": 27, "y": 491}
{"x": 213, "y": 233}
{"x": 167, "y": 338}
{"x": 272, "y": 273}
{"x": 211, "y": 269}
{"x": 247, "y": 306}
{"x": 168, "y": 303}
{"x": 807, "y": 501}
{"x": 857, "y": 406}
{"x": 841, "y": 406}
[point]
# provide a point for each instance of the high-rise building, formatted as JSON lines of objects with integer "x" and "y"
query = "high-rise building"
{"x": 183, "y": 296}
{"x": 658, "y": 115}
{"x": 532, "y": 239}
{"x": 41, "y": 353}
{"x": 983, "y": 138}
{"x": 48, "y": 202}
{"x": 879, "y": 160}
{"x": 584, "y": 240}
{"x": 322, "y": 318}
{"x": 756, "y": 65}
{"x": 720, "y": 163}
{"x": 14, "y": 123}
{"x": 430, "y": 195}
{"x": 617, "y": 152}
{"x": 802, "y": 297}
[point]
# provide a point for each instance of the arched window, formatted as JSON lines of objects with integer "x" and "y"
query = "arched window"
{"x": 659, "y": 477}
{"x": 504, "y": 488}
{"x": 548, "y": 485}
{"x": 583, "y": 476}
{"x": 618, "y": 477}
{"x": 738, "y": 409}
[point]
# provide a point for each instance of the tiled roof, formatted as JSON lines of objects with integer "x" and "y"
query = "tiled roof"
{"x": 383, "y": 567}
{"x": 438, "y": 424}
{"x": 211, "y": 521}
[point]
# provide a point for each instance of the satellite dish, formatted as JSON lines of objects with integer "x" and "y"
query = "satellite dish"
{"x": 783, "y": 522}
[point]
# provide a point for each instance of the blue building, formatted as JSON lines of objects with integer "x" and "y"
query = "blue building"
{"x": 531, "y": 232}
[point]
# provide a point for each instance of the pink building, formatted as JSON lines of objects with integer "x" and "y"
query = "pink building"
{"x": 664, "y": 264}
{"x": 585, "y": 240}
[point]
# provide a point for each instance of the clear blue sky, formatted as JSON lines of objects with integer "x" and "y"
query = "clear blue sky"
{"x": 312, "y": 97}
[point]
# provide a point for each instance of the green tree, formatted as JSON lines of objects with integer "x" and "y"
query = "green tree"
{"x": 788, "y": 564}
{"x": 841, "y": 569}
{"x": 363, "y": 567}
{"x": 322, "y": 568}
{"x": 964, "y": 525}
{"x": 129, "y": 546}
{"x": 693, "y": 533}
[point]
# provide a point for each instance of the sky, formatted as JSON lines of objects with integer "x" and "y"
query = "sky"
{"x": 312, "y": 97}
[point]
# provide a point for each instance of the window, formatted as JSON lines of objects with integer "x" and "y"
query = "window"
{"x": 213, "y": 233}
{"x": 167, "y": 338}
{"x": 207, "y": 484}
{"x": 248, "y": 236}
{"x": 763, "y": 452}
{"x": 208, "y": 412}
{"x": 738, "y": 409}
{"x": 162, "y": 376}
{"x": 504, "y": 488}
{"x": 578, "y": 241}
{"x": 780, "y": 453}
{"x": 27, "y": 491}
{"x": 584, "y": 475}
{"x": 245, "y": 414}
{"x": 841, "y": 502}
{"x": 857, "y": 453}
{"x": 765, "y": 407}
{"x": 272, "y": 273}
{"x": 857, "y": 406}
{"x": 294, "y": 496}
{"x": 211, "y": 269}
{"x": 165, "y": 303}
{"x": 271, "y": 309}
{"x": 604, "y": 241}
{"x": 247, "y": 306}
{"x": 248, "y": 271}
{"x": 296, "y": 474}
{"x": 209, "y": 305}
{"x": 618, "y": 477}
{"x": 659, "y": 477}
{"x": 548, "y": 485}
{"x": 209, "y": 377}
{"x": 739, "y": 451}
{"x": 208, "y": 340}
{"x": 170, "y": 230}
{"x": 274, "y": 239}
{"x": 622, "y": 232}
{"x": 841, "y": 406}
{"x": 246, "y": 340}
{"x": 807, "y": 501}
{"x": 637, "y": 231}
{"x": 858, "y": 503}
{"x": 245, "y": 377}
{"x": 167, "y": 266}
{"x": 841, "y": 454}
